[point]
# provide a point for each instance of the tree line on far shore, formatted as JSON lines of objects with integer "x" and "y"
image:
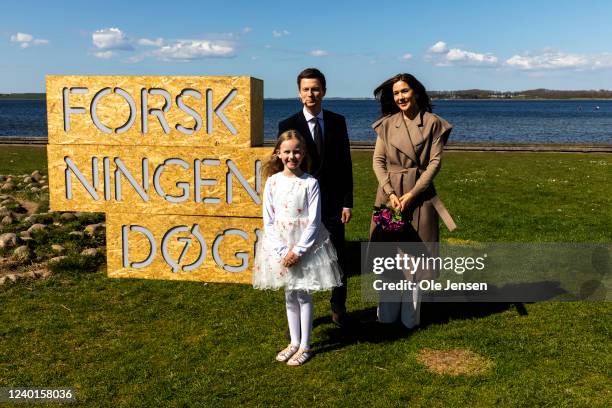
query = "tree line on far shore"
{"x": 540, "y": 93}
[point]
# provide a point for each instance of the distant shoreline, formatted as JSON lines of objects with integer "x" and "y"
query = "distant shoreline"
{"x": 363, "y": 145}
{"x": 42, "y": 97}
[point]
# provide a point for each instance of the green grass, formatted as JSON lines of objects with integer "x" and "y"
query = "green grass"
{"x": 21, "y": 160}
{"x": 160, "y": 343}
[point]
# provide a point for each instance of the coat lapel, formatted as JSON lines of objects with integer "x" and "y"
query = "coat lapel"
{"x": 402, "y": 139}
{"x": 302, "y": 127}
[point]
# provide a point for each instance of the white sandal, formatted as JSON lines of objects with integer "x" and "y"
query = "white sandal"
{"x": 300, "y": 357}
{"x": 286, "y": 354}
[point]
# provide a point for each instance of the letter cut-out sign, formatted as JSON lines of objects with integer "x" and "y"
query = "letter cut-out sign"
{"x": 174, "y": 163}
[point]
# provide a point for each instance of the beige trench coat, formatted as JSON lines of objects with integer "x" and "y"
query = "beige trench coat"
{"x": 407, "y": 157}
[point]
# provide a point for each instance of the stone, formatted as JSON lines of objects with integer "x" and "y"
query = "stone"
{"x": 13, "y": 277}
{"x": 57, "y": 259}
{"x": 8, "y": 186}
{"x": 77, "y": 233}
{"x": 44, "y": 188}
{"x": 7, "y": 201}
{"x": 42, "y": 218}
{"x": 22, "y": 253}
{"x": 35, "y": 189}
{"x": 24, "y": 235}
{"x": 94, "y": 229}
{"x": 36, "y": 227}
{"x": 4, "y": 211}
{"x": 36, "y": 176}
{"x": 8, "y": 220}
{"x": 30, "y": 274}
{"x": 67, "y": 217}
{"x": 90, "y": 252}
{"x": 58, "y": 248}
{"x": 8, "y": 240}
{"x": 27, "y": 180}
{"x": 30, "y": 219}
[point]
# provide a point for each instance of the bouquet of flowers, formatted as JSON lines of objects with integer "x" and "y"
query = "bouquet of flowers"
{"x": 389, "y": 219}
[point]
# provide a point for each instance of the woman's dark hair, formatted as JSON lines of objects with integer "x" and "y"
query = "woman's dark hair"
{"x": 312, "y": 73}
{"x": 274, "y": 164}
{"x": 384, "y": 94}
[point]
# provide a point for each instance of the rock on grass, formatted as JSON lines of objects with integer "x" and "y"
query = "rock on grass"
{"x": 8, "y": 240}
{"x": 22, "y": 253}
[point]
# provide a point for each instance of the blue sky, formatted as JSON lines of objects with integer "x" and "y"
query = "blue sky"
{"x": 447, "y": 44}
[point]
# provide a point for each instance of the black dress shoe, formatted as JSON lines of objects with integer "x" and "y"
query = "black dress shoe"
{"x": 341, "y": 320}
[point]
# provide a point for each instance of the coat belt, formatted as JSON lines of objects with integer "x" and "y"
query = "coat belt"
{"x": 435, "y": 200}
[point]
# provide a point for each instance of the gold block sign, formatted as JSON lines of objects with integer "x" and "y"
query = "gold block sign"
{"x": 155, "y": 111}
{"x": 177, "y": 247}
{"x": 173, "y": 163}
{"x": 156, "y": 180}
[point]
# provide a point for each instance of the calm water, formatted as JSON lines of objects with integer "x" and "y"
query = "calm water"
{"x": 474, "y": 121}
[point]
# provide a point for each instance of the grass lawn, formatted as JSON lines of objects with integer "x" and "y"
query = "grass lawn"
{"x": 161, "y": 343}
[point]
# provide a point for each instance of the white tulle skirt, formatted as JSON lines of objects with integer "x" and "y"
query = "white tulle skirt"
{"x": 317, "y": 269}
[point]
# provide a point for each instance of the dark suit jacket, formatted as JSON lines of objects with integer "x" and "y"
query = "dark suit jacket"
{"x": 333, "y": 168}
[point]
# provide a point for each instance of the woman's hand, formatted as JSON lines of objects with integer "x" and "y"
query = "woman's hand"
{"x": 290, "y": 259}
{"x": 395, "y": 202}
{"x": 405, "y": 201}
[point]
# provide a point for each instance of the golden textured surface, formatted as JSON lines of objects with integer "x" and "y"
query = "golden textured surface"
{"x": 244, "y": 112}
{"x": 159, "y": 268}
{"x": 242, "y": 204}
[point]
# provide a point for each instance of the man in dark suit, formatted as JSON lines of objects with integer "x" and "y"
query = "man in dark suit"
{"x": 329, "y": 150}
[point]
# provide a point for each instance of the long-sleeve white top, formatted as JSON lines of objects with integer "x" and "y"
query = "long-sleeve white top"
{"x": 289, "y": 200}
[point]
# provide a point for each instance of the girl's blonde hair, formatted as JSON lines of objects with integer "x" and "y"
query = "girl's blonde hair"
{"x": 275, "y": 165}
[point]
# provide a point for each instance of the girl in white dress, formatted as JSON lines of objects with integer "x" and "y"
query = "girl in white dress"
{"x": 295, "y": 251}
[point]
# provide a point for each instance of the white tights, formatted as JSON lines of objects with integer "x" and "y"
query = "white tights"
{"x": 299, "y": 315}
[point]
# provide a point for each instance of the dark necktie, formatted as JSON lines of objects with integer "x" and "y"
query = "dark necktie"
{"x": 318, "y": 136}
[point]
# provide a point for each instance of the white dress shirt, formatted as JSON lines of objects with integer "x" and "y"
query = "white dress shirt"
{"x": 311, "y": 123}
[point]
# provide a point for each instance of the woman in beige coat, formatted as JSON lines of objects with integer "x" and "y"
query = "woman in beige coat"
{"x": 407, "y": 157}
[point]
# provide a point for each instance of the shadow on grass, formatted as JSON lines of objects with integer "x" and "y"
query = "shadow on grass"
{"x": 365, "y": 328}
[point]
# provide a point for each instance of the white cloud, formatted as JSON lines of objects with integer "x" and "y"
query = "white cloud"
{"x": 108, "y": 41}
{"x": 104, "y": 54}
{"x": 552, "y": 60}
{"x": 158, "y": 42}
{"x": 441, "y": 55}
{"x": 406, "y": 57}
{"x": 21, "y": 37}
{"x": 247, "y": 30}
{"x": 111, "y": 39}
{"x": 319, "y": 53}
{"x": 280, "y": 33}
{"x": 26, "y": 40}
{"x": 439, "y": 48}
{"x": 457, "y": 55}
{"x": 194, "y": 49}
